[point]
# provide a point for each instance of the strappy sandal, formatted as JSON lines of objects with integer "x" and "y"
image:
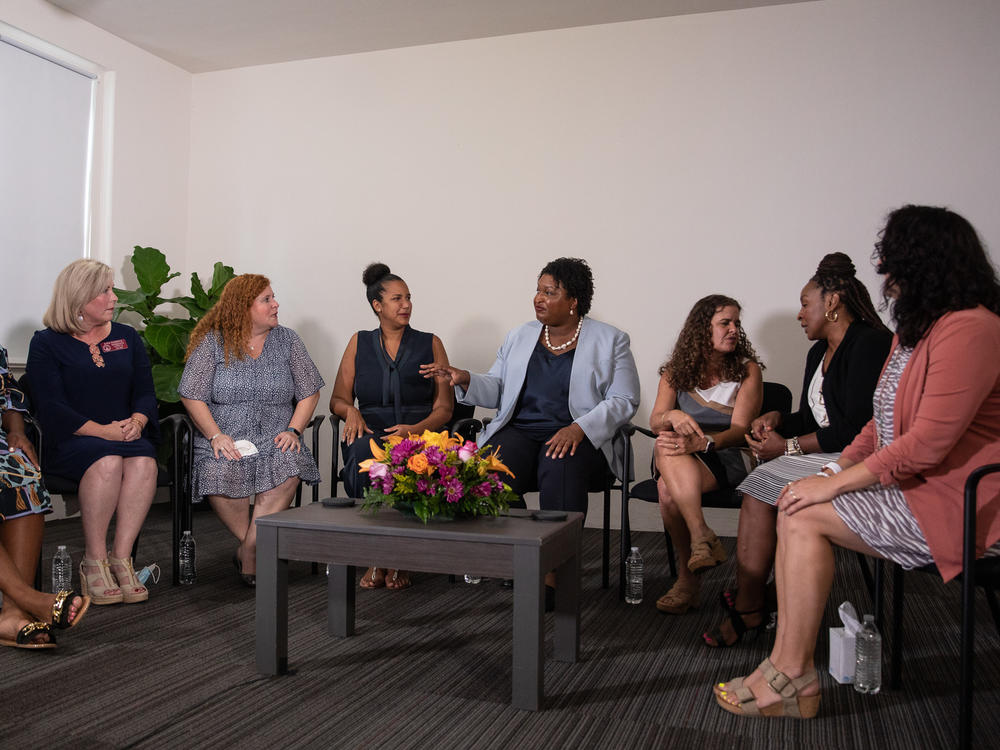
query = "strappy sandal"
{"x": 98, "y": 583}
{"x": 61, "y": 609}
{"x": 128, "y": 582}
{"x": 374, "y": 578}
{"x": 29, "y": 631}
{"x": 706, "y": 552}
{"x": 678, "y": 600}
{"x": 791, "y": 703}
{"x": 397, "y": 580}
{"x": 716, "y": 638}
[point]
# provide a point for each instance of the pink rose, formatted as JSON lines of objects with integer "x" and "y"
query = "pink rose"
{"x": 377, "y": 471}
{"x": 467, "y": 451}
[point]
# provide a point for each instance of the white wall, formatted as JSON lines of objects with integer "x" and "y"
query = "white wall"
{"x": 723, "y": 152}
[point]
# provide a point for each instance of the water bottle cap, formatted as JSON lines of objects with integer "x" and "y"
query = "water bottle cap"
{"x": 870, "y": 618}
{"x": 60, "y": 547}
{"x": 636, "y": 550}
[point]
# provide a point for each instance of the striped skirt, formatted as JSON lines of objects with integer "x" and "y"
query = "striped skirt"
{"x": 767, "y": 481}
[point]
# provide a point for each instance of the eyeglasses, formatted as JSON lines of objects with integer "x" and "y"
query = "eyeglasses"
{"x": 95, "y": 354}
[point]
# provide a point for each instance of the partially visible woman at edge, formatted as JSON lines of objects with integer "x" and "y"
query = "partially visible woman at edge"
{"x": 710, "y": 389}
{"x": 842, "y": 368}
{"x": 896, "y": 492}
{"x": 92, "y": 388}
{"x": 28, "y": 615}
{"x": 249, "y": 379}
{"x": 381, "y": 369}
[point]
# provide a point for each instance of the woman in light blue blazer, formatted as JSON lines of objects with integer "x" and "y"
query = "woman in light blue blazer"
{"x": 562, "y": 385}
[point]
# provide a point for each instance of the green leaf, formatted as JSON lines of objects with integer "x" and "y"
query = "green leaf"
{"x": 166, "y": 378}
{"x": 221, "y": 276}
{"x": 196, "y": 311}
{"x": 169, "y": 338}
{"x": 198, "y": 292}
{"x": 151, "y": 269}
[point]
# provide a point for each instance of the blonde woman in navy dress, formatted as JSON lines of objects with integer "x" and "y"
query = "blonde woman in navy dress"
{"x": 710, "y": 389}
{"x": 93, "y": 391}
{"x": 249, "y": 379}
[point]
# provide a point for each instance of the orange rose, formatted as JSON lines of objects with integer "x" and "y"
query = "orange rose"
{"x": 418, "y": 464}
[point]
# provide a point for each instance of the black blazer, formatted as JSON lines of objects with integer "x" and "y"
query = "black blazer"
{"x": 847, "y": 387}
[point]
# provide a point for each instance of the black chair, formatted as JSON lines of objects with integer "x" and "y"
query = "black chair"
{"x": 175, "y": 475}
{"x": 313, "y": 429}
{"x": 776, "y": 397}
{"x": 984, "y": 572}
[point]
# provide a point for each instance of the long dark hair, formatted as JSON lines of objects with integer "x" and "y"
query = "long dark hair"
{"x": 933, "y": 262}
{"x": 836, "y": 274}
{"x": 688, "y": 366}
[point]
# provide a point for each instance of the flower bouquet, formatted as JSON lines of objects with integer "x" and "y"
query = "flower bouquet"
{"x": 435, "y": 475}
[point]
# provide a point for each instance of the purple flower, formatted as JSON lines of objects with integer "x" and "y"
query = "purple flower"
{"x": 483, "y": 489}
{"x": 435, "y": 456}
{"x": 447, "y": 472}
{"x": 454, "y": 490}
{"x": 403, "y": 450}
{"x": 377, "y": 471}
{"x": 388, "y": 482}
{"x": 423, "y": 486}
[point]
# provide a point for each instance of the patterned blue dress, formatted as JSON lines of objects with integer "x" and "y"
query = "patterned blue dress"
{"x": 21, "y": 490}
{"x": 251, "y": 399}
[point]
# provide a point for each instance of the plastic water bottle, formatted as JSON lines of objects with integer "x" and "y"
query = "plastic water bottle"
{"x": 62, "y": 570}
{"x": 469, "y": 578}
{"x": 633, "y": 577}
{"x": 868, "y": 655}
{"x": 186, "y": 555}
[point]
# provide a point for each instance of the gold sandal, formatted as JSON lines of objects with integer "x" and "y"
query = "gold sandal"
{"x": 98, "y": 583}
{"x": 679, "y": 600}
{"x": 791, "y": 703}
{"x": 396, "y": 580}
{"x": 128, "y": 582}
{"x": 374, "y": 578}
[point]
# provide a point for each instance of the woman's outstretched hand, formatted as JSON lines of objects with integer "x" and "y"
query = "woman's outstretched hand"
{"x": 443, "y": 371}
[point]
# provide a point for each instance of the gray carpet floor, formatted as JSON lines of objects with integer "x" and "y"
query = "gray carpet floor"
{"x": 430, "y": 667}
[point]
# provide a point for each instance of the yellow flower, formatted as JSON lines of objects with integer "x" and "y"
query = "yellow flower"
{"x": 366, "y": 465}
{"x": 419, "y": 465}
{"x": 439, "y": 439}
{"x": 377, "y": 452}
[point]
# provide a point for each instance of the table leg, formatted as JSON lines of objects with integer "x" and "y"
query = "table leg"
{"x": 566, "y": 639}
{"x": 340, "y": 607}
{"x": 272, "y": 604}
{"x": 528, "y": 677}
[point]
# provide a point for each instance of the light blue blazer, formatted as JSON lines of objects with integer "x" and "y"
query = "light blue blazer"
{"x": 603, "y": 384}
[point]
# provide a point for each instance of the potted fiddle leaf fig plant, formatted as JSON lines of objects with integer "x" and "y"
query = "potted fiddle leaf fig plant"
{"x": 166, "y": 338}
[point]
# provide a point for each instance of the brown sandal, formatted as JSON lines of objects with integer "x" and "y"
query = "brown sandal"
{"x": 396, "y": 580}
{"x": 791, "y": 703}
{"x": 706, "y": 552}
{"x": 374, "y": 578}
{"x": 98, "y": 582}
{"x": 679, "y": 600}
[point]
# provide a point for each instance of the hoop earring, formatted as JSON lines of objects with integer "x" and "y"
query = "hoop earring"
{"x": 835, "y": 318}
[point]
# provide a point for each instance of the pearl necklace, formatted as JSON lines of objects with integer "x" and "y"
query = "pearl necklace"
{"x": 548, "y": 341}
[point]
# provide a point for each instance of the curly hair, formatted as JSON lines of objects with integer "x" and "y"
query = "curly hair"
{"x": 836, "y": 274}
{"x": 573, "y": 275}
{"x": 690, "y": 364}
{"x": 933, "y": 262}
{"x": 229, "y": 318}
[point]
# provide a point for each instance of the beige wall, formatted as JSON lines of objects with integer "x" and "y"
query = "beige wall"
{"x": 682, "y": 156}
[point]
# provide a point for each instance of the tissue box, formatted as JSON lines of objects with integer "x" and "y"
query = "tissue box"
{"x": 842, "y": 656}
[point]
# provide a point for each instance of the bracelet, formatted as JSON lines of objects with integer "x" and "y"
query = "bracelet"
{"x": 214, "y": 437}
{"x": 832, "y": 466}
{"x": 792, "y": 447}
{"x": 292, "y": 429}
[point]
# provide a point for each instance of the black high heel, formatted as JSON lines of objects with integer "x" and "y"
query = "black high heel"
{"x": 715, "y": 638}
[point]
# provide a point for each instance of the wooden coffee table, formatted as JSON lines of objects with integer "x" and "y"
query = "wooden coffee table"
{"x": 513, "y": 546}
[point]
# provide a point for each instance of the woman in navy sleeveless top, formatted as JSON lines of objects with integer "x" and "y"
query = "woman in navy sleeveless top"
{"x": 380, "y": 370}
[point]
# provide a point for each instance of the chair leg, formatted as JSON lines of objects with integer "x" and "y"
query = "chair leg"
{"x": 991, "y": 599}
{"x": 624, "y": 546}
{"x": 866, "y": 573}
{"x": 896, "y": 668}
{"x": 671, "y": 557}
{"x": 606, "y": 542}
{"x": 967, "y": 650}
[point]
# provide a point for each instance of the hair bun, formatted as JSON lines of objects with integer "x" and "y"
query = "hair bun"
{"x": 835, "y": 265}
{"x": 373, "y": 273}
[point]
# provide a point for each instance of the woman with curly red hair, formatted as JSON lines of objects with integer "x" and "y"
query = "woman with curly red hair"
{"x": 251, "y": 388}
{"x": 710, "y": 389}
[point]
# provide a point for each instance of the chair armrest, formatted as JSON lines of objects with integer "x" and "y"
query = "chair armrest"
{"x": 971, "y": 493}
{"x": 630, "y": 429}
{"x": 467, "y": 428}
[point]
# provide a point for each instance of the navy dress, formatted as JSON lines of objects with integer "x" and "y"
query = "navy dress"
{"x": 69, "y": 388}
{"x": 388, "y": 391}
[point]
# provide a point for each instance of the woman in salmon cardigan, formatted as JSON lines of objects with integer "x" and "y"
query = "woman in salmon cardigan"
{"x": 896, "y": 492}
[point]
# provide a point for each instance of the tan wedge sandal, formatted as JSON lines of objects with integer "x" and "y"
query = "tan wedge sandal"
{"x": 132, "y": 590}
{"x": 97, "y": 582}
{"x": 791, "y": 703}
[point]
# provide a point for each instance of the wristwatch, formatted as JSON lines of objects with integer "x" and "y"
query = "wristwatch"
{"x": 709, "y": 444}
{"x": 792, "y": 447}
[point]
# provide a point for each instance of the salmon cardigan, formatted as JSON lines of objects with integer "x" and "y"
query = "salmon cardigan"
{"x": 946, "y": 423}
